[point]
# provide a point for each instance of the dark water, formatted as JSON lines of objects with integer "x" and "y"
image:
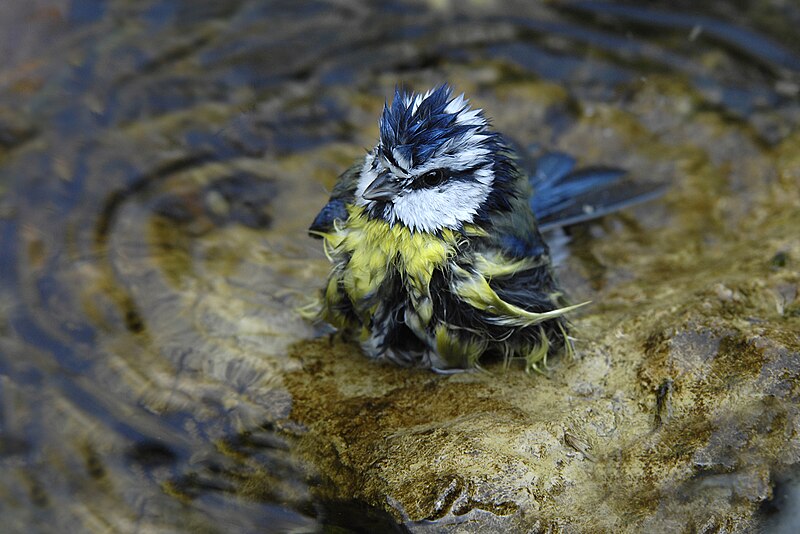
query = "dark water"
{"x": 159, "y": 162}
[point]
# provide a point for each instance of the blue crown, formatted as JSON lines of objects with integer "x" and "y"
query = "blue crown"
{"x": 417, "y": 126}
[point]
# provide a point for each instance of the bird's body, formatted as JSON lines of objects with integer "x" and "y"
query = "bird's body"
{"x": 437, "y": 258}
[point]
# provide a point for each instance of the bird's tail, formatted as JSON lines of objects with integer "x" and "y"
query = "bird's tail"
{"x": 563, "y": 195}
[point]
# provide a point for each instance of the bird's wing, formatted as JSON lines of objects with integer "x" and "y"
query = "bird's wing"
{"x": 336, "y": 208}
{"x": 564, "y": 196}
{"x": 516, "y": 275}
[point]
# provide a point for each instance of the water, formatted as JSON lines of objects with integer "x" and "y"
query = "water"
{"x": 160, "y": 161}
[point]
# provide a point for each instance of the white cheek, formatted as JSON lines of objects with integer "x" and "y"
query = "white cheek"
{"x": 367, "y": 176}
{"x": 450, "y": 206}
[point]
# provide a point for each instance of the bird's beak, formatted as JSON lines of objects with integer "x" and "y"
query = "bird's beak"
{"x": 384, "y": 187}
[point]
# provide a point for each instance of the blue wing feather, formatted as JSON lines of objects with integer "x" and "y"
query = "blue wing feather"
{"x": 341, "y": 196}
{"x": 334, "y": 209}
{"x": 563, "y": 196}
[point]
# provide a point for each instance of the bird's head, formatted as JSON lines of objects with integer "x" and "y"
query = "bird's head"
{"x": 437, "y": 165}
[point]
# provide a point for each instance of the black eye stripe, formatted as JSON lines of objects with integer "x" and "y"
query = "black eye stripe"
{"x": 443, "y": 175}
{"x": 465, "y": 174}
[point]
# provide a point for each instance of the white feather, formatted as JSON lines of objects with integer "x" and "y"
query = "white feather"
{"x": 449, "y": 206}
{"x": 401, "y": 159}
{"x": 456, "y": 105}
{"x": 366, "y": 177}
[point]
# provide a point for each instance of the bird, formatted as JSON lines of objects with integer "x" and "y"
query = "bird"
{"x": 435, "y": 239}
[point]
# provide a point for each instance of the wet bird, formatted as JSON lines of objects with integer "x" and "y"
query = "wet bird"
{"x": 437, "y": 256}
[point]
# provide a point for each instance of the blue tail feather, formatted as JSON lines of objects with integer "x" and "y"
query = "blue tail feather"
{"x": 563, "y": 196}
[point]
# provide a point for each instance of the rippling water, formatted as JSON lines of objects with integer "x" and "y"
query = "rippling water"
{"x": 160, "y": 161}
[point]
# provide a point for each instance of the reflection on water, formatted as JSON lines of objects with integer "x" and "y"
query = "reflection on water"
{"x": 159, "y": 163}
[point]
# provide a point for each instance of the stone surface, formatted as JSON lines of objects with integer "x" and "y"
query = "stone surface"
{"x": 678, "y": 414}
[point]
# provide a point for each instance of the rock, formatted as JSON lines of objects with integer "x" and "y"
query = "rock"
{"x": 679, "y": 413}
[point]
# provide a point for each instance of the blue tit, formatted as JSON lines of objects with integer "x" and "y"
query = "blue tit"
{"x": 437, "y": 256}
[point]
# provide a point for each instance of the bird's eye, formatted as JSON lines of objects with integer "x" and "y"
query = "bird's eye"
{"x": 433, "y": 178}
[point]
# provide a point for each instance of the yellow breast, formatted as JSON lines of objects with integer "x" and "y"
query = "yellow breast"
{"x": 372, "y": 248}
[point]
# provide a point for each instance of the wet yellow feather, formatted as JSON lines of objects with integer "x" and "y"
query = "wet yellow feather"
{"x": 372, "y": 246}
{"x": 475, "y": 290}
{"x": 457, "y": 351}
{"x": 494, "y": 265}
